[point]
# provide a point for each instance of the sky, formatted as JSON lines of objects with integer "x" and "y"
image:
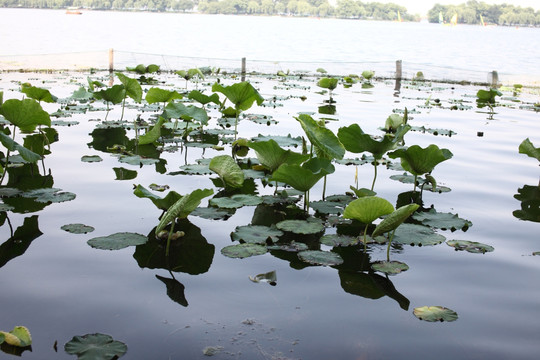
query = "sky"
{"x": 422, "y": 6}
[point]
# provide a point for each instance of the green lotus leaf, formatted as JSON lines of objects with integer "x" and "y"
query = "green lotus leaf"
{"x": 303, "y": 177}
{"x": 300, "y": 226}
{"x": 183, "y": 207}
{"x": 435, "y": 313}
{"x": 339, "y": 240}
{"x": 228, "y": 170}
{"x": 288, "y": 247}
{"x": 526, "y": 147}
{"x": 260, "y": 119}
{"x": 137, "y": 160}
{"x": 26, "y": 114}
{"x": 37, "y": 93}
{"x": 236, "y": 201}
{"x": 413, "y": 234}
{"x": 390, "y": 267}
{"x": 443, "y": 221}
{"x": 242, "y": 94}
{"x": 189, "y": 112}
{"x": 367, "y": 209}
{"x": 49, "y": 195}
{"x": 318, "y": 257}
{"x": 158, "y": 95}
{"x": 321, "y": 137}
{"x": 256, "y": 234}
{"x": 114, "y": 94}
{"x": 419, "y": 161}
{"x": 488, "y": 95}
{"x": 396, "y": 218}
{"x": 132, "y": 87}
{"x": 271, "y": 155}
{"x": 328, "y": 83}
{"x": 355, "y": 140}
{"x": 77, "y": 228}
{"x": 327, "y": 207}
{"x": 269, "y": 277}
{"x": 124, "y": 174}
{"x": 202, "y": 98}
{"x": 153, "y": 134}
{"x": 280, "y": 140}
{"x": 368, "y": 74}
{"x": 95, "y": 346}
{"x": 81, "y": 94}
{"x": 25, "y": 153}
{"x": 161, "y": 203}
{"x": 195, "y": 169}
{"x": 242, "y": 251}
{"x": 212, "y": 213}
{"x": 19, "y": 337}
{"x": 117, "y": 241}
{"x": 470, "y": 246}
{"x": 91, "y": 158}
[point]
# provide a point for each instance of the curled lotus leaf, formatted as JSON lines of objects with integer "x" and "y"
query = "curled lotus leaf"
{"x": 269, "y": 277}
{"x": 396, "y": 218}
{"x": 390, "y": 267}
{"x": 228, "y": 170}
{"x": 117, "y": 241}
{"x": 183, "y": 207}
{"x": 242, "y": 251}
{"x": 19, "y": 337}
{"x": 95, "y": 346}
{"x": 413, "y": 234}
{"x": 77, "y": 228}
{"x": 443, "y": 221}
{"x": 435, "y": 313}
{"x": 526, "y": 147}
{"x": 318, "y": 257}
{"x": 300, "y": 226}
{"x": 256, "y": 234}
{"x": 470, "y": 246}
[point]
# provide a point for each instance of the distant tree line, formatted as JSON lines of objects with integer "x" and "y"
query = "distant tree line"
{"x": 471, "y": 12}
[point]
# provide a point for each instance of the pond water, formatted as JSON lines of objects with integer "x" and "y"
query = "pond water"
{"x": 58, "y": 286}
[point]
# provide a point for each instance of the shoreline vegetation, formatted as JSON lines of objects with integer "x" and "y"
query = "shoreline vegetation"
{"x": 471, "y": 13}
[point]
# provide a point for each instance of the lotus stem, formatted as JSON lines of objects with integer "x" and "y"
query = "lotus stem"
{"x": 375, "y": 176}
{"x": 7, "y": 158}
{"x": 169, "y": 240}
{"x": 236, "y": 125}
{"x": 324, "y": 189}
{"x": 365, "y": 238}
{"x": 389, "y": 243}
{"x": 123, "y": 106}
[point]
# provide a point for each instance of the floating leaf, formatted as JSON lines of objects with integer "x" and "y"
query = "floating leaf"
{"x": 300, "y": 226}
{"x": 255, "y": 234}
{"x": 242, "y": 251}
{"x": 212, "y": 213}
{"x": 124, "y": 174}
{"x": 390, "y": 267}
{"x": 339, "y": 240}
{"x": 269, "y": 277}
{"x": 19, "y": 337}
{"x": 413, "y": 234}
{"x": 236, "y": 201}
{"x": 91, "y": 158}
{"x": 280, "y": 140}
{"x": 95, "y": 346}
{"x": 228, "y": 170}
{"x": 435, "y": 313}
{"x": 442, "y": 221}
{"x": 470, "y": 246}
{"x": 77, "y": 228}
{"x": 137, "y": 160}
{"x": 293, "y": 246}
{"x": 195, "y": 169}
{"x": 49, "y": 195}
{"x": 318, "y": 257}
{"x": 367, "y": 209}
{"x": 117, "y": 241}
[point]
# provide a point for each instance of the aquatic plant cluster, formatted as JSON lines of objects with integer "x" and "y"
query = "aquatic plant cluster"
{"x": 275, "y": 174}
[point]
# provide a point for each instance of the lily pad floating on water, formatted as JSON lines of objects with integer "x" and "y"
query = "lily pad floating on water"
{"x": 124, "y": 174}
{"x": 283, "y": 141}
{"x": 137, "y": 160}
{"x": 117, "y": 241}
{"x": 91, "y": 158}
{"x": 443, "y": 221}
{"x": 49, "y": 195}
{"x": 195, "y": 169}
{"x": 269, "y": 277}
{"x": 413, "y": 234}
{"x": 470, "y": 246}
{"x": 213, "y": 213}
{"x": 242, "y": 251}
{"x": 236, "y": 201}
{"x": 435, "y": 313}
{"x": 77, "y": 228}
{"x": 339, "y": 240}
{"x": 300, "y": 226}
{"x": 293, "y": 246}
{"x": 256, "y": 234}
{"x": 390, "y": 267}
{"x": 95, "y": 346}
{"x": 318, "y": 257}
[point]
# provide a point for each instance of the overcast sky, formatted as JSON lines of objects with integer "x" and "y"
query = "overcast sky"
{"x": 422, "y": 6}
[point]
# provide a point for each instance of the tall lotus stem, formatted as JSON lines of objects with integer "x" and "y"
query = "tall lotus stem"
{"x": 375, "y": 176}
{"x": 365, "y": 238}
{"x": 389, "y": 243}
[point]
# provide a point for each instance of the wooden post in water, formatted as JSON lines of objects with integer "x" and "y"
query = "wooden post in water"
{"x": 111, "y": 60}
{"x": 494, "y": 79}
{"x": 399, "y": 74}
{"x": 243, "y": 69}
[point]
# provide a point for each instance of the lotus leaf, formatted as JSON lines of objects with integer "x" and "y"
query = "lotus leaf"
{"x": 190, "y": 112}
{"x": 77, "y": 228}
{"x": 487, "y": 95}
{"x": 269, "y": 277}
{"x": 91, "y": 158}
{"x": 161, "y": 203}
{"x": 19, "y": 337}
{"x": 419, "y": 161}
{"x": 367, "y": 209}
{"x": 81, "y": 94}
{"x": 339, "y": 240}
{"x": 242, "y": 94}
{"x": 390, "y": 267}
{"x": 37, "y": 93}
{"x": 393, "y": 122}
{"x": 202, "y": 98}
{"x": 303, "y": 177}
{"x": 25, "y": 153}
{"x": 212, "y": 213}
{"x": 114, "y": 94}
{"x": 256, "y": 234}
{"x": 368, "y": 74}
{"x": 435, "y": 313}
{"x": 49, "y": 195}
{"x": 137, "y": 160}
{"x": 271, "y": 155}
{"x": 293, "y": 246}
{"x": 158, "y": 95}
{"x": 153, "y": 134}
{"x": 355, "y": 140}
{"x": 95, "y": 346}
{"x": 236, "y": 201}
{"x": 280, "y": 140}
{"x": 396, "y": 218}
{"x": 26, "y": 114}
{"x": 526, "y": 147}
{"x": 413, "y": 234}
{"x": 124, "y": 174}
{"x": 443, "y": 221}
{"x": 300, "y": 226}
{"x": 243, "y": 250}
{"x": 117, "y": 241}
{"x": 132, "y": 87}
{"x": 327, "y": 207}
{"x": 470, "y": 246}
{"x": 318, "y": 257}
{"x": 183, "y": 207}
{"x": 321, "y": 137}
{"x": 261, "y": 119}
{"x": 228, "y": 170}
